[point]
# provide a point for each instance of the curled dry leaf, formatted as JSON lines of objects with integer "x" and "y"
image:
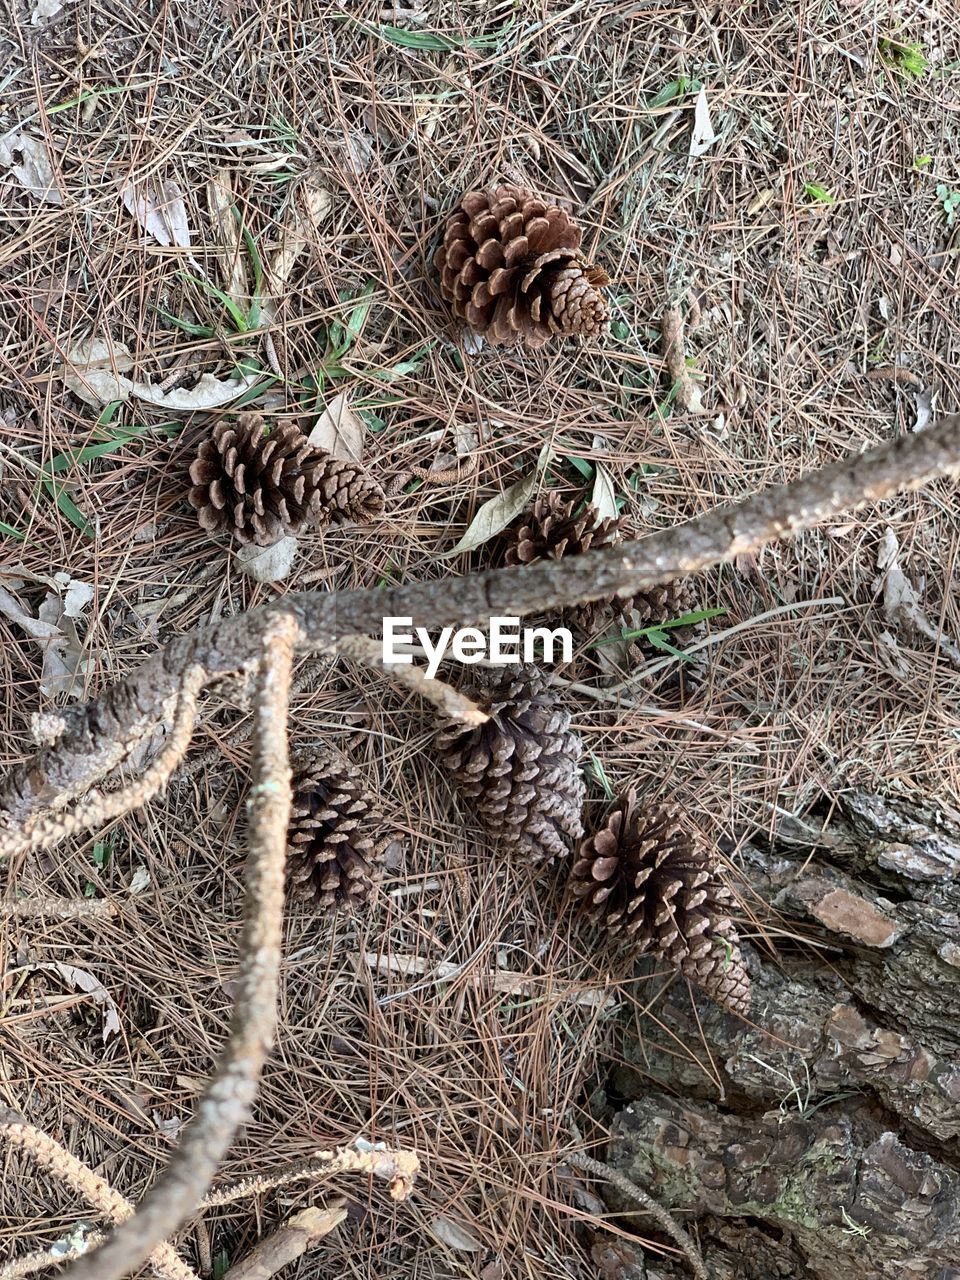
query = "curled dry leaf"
{"x": 91, "y": 986}
{"x": 604, "y": 498}
{"x": 28, "y": 160}
{"x": 495, "y": 514}
{"x": 159, "y": 208}
{"x": 703, "y": 137}
{"x": 267, "y": 564}
{"x": 339, "y": 430}
{"x": 102, "y": 385}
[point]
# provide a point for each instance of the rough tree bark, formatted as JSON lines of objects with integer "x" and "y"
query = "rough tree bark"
{"x": 833, "y": 1117}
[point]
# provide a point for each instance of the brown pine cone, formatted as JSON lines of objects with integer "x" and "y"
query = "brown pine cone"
{"x": 261, "y": 484}
{"x": 655, "y": 885}
{"x": 335, "y": 840}
{"x": 510, "y": 265}
{"x": 550, "y": 531}
{"x": 520, "y": 769}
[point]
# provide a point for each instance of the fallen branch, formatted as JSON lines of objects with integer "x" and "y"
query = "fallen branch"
{"x": 227, "y": 1100}
{"x": 89, "y": 1186}
{"x": 289, "y": 1242}
{"x": 98, "y": 736}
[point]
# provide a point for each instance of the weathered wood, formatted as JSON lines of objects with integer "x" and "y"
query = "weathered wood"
{"x": 854, "y": 1058}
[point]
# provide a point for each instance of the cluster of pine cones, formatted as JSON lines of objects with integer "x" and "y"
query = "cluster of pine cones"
{"x": 510, "y": 266}
{"x": 512, "y": 269}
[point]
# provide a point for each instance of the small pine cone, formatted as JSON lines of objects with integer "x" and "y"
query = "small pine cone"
{"x": 551, "y": 531}
{"x": 519, "y": 769}
{"x": 662, "y": 603}
{"x": 655, "y": 885}
{"x": 510, "y": 265}
{"x": 335, "y": 840}
{"x": 261, "y": 484}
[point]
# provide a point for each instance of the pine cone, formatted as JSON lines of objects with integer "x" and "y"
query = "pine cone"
{"x": 519, "y": 769}
{"x": 655, "y": 884}
{"x": 551, "y": 531}
{"x": 335, "y": 840}
{"x": 510, "y": 265}
{"x": 261, "y": 485}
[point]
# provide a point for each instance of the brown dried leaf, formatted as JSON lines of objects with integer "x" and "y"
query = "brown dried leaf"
{"x": 233, "y": 260}
{"x": 28, "y": 160}
{"x": 453, "y": 1231}
{"x": 495, "y": 514}
{"x": 339, "y": 430}
{"x": 159, "y": 208}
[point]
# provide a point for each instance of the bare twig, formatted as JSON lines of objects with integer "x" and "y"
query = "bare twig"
{"x": 43, "y": 1259}
{"x": 377, "y": 1160}
{"x": 101, "y": 734}
{"x": 57, "y": 908}
{"x": 449, "y": 701}
{"x": 229, "y": 1096}
{"x": 96, "y": 1191}
{"x": 289, "y": 1242}
{"x": 597, "y": 1169}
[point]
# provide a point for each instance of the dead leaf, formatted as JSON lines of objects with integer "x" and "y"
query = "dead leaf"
{"x": 100, "y": 386}
{"x": 453, "y": 1231}
{"x": 267, "y": 564}
{"x": 159, "y": 208}
{"x": 604, "y": 497}
{"x": 497, "y": 512}
{"x": 53, "y": 629}
{"x": 44, "y": 9}
{"x": 703, "y": 137}
{"x": 91, "y": 986}
{"x": 901, "y": 603}
{"x": 339, "y": 430}
{"x": 139, "y": 881}
{"x": 28, "y": 160}
{"x": 233, "y": 260}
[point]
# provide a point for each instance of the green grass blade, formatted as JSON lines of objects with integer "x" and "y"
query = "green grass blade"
{"x": 233, "y": 311}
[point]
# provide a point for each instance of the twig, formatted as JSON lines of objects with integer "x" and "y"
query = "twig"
{"x": 377, "y": 1160}
{"x": 58, "y": 908}
{"x": 97, "y": 736}
{"x": 228, "y": 1098}
{"x": 42, "y": 1259}
{"x": 449, "y": 701}
{"x": 289, "y": 1242}
{"x": 597, "y": 1169}
{"x": 96, "y": 1191}
{"x": 686, "y": 393}
{"x": 96, "y": 810}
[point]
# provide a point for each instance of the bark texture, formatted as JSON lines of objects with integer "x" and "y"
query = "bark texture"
{"x": 833, "y": 1115}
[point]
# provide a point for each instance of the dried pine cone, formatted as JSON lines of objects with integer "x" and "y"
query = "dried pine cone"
{"x": 335, "y": 840}
{"x": 261, "y": 484}
{"x": 550, "y": 531}
{"x": 655, "y": 885}
{"x": 510, "y": 265}
{"x": 520, "y": 768}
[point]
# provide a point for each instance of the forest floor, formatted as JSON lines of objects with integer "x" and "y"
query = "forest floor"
{"x": 813, "y": 248}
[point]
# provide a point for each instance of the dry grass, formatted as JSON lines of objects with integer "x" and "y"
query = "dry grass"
{"x": 798, "y": 301}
